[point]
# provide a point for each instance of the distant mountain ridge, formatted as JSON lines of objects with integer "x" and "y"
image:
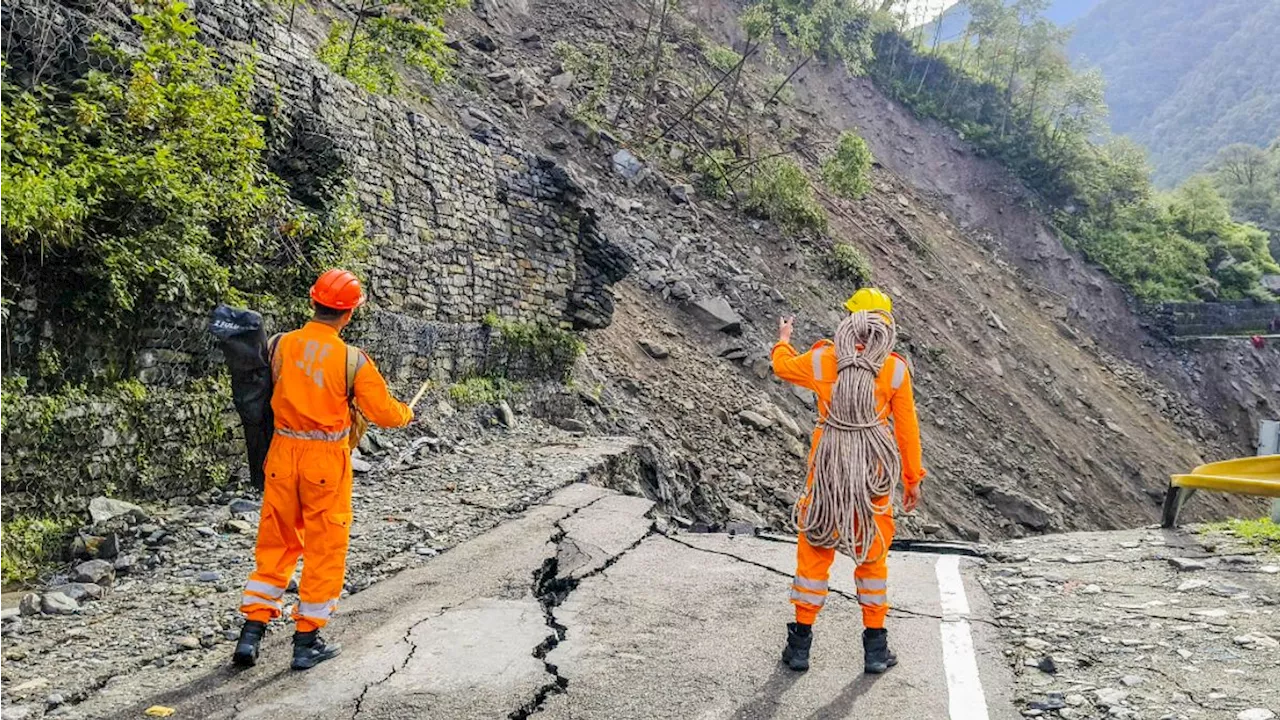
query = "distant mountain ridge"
{"x": 1184, "y": 77}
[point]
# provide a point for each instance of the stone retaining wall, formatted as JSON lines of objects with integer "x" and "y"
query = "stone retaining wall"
{"x": 467, "y": 229}
{"x": 1240, "y": 317}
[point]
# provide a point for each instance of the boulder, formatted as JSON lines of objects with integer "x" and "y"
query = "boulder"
{"x": 626, "y": 164}
{"x": 102, "y": 509}
{"x": 718, "y": 314}
{"x": 56, "y": 603}
{"x": 680, "y": 192}
{"x": 654, "y": 350}
{"x": 80, "y": 591}
{"x": 29, "y": 604}
{"x": 98, "y": 572}
{"x": 562, "y": 81}
{"x": 505, "y": 415}
{"x": 1019, "y": 508}
{"x": 755, "y": 420}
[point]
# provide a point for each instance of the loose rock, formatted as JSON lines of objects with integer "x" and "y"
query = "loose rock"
{"x": 98, "y": 572}
{"x": 29, "y": 604}
{"x": 102, "y": 509}
{"x": 755, "y": 420}
{"x": 654, "y": 350}
{"x": 80, "y": 591}
{"x": 56, "y": 603}
{"x": 717, "y": 313}
{"x": 1187, "y": 564}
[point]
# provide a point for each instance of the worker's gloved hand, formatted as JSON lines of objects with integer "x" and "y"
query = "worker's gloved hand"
{"x": 785, "y": 324}
{"x": 910, "y": 497}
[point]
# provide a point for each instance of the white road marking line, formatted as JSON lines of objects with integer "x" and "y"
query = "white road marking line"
{"x": 964, "y": 687}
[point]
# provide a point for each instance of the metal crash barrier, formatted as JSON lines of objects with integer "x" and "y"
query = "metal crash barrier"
{"x": 1242, "y": 476}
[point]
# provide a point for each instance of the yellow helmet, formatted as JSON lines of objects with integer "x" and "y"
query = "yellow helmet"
{"x": 869, "y": 299}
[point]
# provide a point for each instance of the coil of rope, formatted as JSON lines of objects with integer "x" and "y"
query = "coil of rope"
{"x": 857, "y": 459}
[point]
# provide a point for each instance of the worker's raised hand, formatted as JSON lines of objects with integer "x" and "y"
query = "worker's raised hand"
{"x": 785, "y": 325}
{"x": 910, "y": 497}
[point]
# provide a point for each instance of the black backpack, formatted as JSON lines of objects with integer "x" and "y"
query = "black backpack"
{"x": 244, "y": 344}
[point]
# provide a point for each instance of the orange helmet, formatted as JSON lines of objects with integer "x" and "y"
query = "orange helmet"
{"x": 338, "y": 289}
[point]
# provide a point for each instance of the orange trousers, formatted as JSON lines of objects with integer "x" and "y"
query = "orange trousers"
{"x": 307, "y": 495}
{"x": 813, "y": 569}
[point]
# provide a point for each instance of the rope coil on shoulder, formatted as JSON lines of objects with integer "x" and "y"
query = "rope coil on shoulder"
{"x": 856, "y": 462}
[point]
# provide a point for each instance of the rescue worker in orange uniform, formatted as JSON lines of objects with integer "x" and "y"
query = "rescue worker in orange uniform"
{"x": 306, "y": 504}
{"x": 816, "y": 371}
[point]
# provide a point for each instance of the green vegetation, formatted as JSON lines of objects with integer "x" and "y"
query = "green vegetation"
{"x": 130, "y": 190}
{"x": 483, "y": 390}
{"x": 30, "y": 545}
{"x": 1261, "y": 532}
{"x": 721, "y": 58}
{"x": 847, "y": 170}
{"x": 713, "y": 170}
{"x": 1007, "y": 87}
{"x": 778, "y": 189}
{"x": 122, "y": 440}
{"x": 536, "y": 348}
{"x": 592, "y": 66}
{"x": 849, "y": 265}
{"x": 372, "y": 50}
{"x": 1249, "y": 178}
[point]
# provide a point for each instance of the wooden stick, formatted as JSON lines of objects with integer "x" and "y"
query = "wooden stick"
{"x": 421, "y": 391}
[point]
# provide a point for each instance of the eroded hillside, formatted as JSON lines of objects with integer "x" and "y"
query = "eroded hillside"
{"x": 1045, "y": 403}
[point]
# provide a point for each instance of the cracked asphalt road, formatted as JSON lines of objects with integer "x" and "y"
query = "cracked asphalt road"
{"x": 579, "y": 608}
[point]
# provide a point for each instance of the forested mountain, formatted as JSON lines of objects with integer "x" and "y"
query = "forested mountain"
{"x": 1186, "y": 77}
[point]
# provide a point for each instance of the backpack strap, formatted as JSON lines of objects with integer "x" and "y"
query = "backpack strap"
{"x": 272, "y": 360}
{"x": 355, "y": 361}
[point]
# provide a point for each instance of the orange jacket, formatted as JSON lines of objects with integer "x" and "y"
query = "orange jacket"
{"x": 310, "y": 395}
{"x": 816, "y": 370}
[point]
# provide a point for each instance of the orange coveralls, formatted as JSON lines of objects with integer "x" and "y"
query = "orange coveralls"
{"x": 816, "y": 370}
{"x": 308, "y": 474}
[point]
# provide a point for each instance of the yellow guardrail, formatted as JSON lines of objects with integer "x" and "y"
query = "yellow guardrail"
{"x": 1243, "y": 476}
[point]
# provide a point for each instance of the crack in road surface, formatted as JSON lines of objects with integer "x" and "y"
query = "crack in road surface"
{"x": 552, "y": 590}
{"x": 413, "y": 648}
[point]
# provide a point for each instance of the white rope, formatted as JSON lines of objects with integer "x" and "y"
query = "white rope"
{"x": 857, "y": 461}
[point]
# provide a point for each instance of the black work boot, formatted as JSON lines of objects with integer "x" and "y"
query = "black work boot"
{"x": 796, "y": 654}
{"x": 246, "y": 654}
{"x": 875, "y": 649}
{"x": 309, "y": 650}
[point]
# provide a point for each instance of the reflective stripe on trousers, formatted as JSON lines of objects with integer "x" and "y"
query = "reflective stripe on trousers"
{"x": 871, "y": 591}
{"x": 813, "y": 592}
{"x": 316, "y": 611}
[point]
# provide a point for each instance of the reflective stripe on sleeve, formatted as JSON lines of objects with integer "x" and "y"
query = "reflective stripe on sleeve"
{"x": 899, "y": 372}
{"x": 817, "y": 363}
{"x": 871, "y": 599}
